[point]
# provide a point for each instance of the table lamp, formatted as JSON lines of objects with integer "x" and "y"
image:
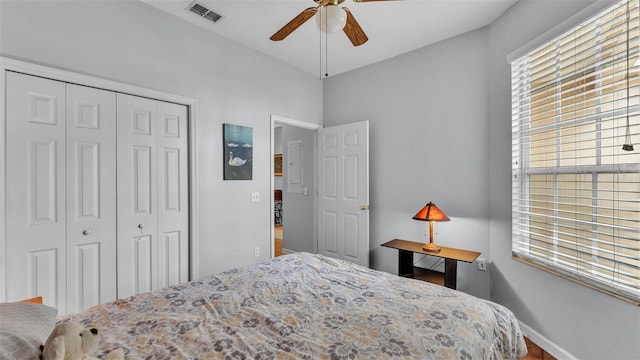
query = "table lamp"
{"x": 431, "y": 213}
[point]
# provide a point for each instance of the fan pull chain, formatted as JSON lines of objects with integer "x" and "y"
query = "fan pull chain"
{"x": 326, "y": 46}
{"x": 326, "y": 55}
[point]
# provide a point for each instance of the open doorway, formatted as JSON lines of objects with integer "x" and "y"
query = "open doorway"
{"x": 293, "y": 200}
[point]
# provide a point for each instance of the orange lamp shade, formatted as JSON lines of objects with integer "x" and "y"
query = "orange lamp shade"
{"x": 431, "y": 213}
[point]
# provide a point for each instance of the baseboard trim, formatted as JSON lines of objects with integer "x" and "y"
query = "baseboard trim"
{"x": 287, "y": 251}
{"x": 546, "y": 344}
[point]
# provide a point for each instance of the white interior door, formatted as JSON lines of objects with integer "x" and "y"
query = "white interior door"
{"x": 343, "y": 192}
{"x": 35, "y": 189}
{"x": 91, "y": 201}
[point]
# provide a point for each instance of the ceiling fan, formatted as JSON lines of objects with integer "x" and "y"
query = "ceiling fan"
{"x": 331, "y": 18}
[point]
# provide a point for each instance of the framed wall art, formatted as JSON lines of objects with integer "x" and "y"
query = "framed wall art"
{"x": 238, "y": 152}
{"x": 277, "y": 164}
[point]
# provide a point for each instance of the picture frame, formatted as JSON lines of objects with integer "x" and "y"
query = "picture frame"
{"x": 237, "y": 152}
{"x": 277, "y": 164}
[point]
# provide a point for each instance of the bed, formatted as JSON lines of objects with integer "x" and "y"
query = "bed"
{"x": 305, "y": 306}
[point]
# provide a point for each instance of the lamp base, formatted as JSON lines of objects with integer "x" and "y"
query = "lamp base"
{"x": 431, "y": 247}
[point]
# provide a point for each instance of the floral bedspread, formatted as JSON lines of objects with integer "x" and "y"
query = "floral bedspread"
{"x": 304, "y": 306}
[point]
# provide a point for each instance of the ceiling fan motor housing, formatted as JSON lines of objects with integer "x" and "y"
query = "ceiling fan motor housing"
{"x": 328, "y": 2}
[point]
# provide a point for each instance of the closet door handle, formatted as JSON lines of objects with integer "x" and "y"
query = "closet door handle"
{"x": 86, "y": 232}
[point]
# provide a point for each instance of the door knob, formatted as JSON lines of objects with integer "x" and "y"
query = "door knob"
{"x": 364, "y": 207}
{"x": 86, "y": 232}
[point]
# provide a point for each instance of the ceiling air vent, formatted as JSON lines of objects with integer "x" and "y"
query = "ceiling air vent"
{"x": 201, "y": 10}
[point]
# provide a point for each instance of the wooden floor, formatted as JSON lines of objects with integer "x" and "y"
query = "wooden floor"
{"x": 277, "y": 240}
{"x": 536, "y": 352}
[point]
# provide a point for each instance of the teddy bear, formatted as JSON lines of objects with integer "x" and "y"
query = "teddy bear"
{"x": 72, "y": 341}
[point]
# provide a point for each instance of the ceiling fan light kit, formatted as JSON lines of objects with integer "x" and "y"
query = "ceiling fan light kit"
{"x": 331, "y": 18}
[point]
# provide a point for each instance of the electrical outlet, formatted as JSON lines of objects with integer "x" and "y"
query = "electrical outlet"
{"x": 256, "y": 252}
{"x": 482, "y": 264}
{"x": 255, "y": 196}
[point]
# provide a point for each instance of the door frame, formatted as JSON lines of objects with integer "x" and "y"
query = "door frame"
{"x": 10, "y": 64}
{"x": 281, "y": 120}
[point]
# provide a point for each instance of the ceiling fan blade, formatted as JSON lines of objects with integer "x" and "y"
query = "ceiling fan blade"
{"x": 294, "y": 24}
{"x": 353, "y": 30}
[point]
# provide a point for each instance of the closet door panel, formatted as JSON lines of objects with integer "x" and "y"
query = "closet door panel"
{"x": 42, "y": 181}
{"x": 91, "y": 201}
{"x": 85, "y": 282}
{"x": 35, "y": 192}
{"x": 173, "y": 207}
{"x": 142, "y": 276}
{"x": 141, "y": 173}
{"x": 137, "y": 195}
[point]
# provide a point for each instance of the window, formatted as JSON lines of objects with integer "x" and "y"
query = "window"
{"x": 575, "y": 191}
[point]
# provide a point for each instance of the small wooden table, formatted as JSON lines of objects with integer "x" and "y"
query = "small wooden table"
{"x": 451, "y": 256}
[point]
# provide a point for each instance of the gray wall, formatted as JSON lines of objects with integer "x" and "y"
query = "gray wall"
{"x": 587, "y": 323}
{"x": 440, "y": 130}
{"x": 424, "y": 146}
{"x": 298, "y": 210}
{"x": 131, "y": 42}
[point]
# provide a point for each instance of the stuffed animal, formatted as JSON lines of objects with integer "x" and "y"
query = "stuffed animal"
{"x": 71, "y": 341}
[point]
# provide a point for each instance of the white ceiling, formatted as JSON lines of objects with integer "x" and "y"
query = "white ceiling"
{"x": 393, "y": 28}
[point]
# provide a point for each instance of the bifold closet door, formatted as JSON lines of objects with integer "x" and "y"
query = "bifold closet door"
{"x": 91, "y": 201}
{"x": 60, "y": 186}
{"x": 153, "y": 230}
{"x": 173, "y": 194}
{"x": 35, "y": 189}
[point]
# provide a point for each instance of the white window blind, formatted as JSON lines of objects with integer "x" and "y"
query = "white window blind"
{"x": 575, "y": 191}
